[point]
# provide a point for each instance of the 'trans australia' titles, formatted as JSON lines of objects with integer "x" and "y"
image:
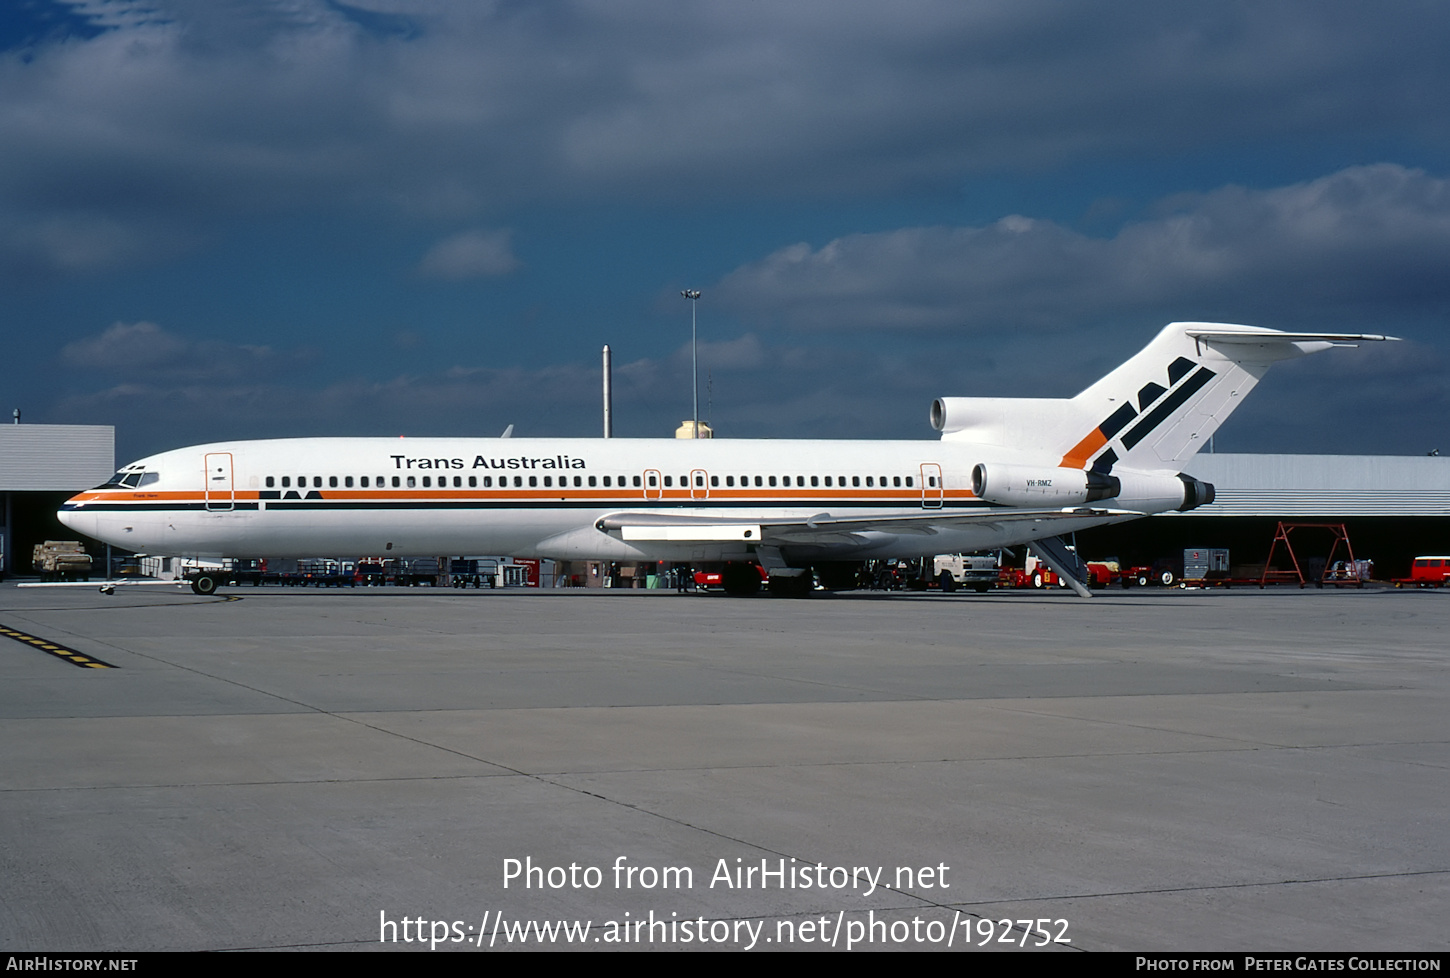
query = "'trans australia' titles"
{"x": 737, "y": 874}
{"x": 482, "y": 462}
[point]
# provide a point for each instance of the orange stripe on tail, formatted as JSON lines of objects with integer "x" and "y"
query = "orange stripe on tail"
{"x": 1077, "y": 457}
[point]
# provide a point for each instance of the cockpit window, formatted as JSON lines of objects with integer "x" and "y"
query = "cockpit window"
{"x": 133, "y": 479}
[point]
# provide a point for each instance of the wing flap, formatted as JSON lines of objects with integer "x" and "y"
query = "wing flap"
{"x": 823, "y": 528}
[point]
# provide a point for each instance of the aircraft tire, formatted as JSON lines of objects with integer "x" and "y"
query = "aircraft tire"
{"x": 792, "y": 587}
{"x": 838, "y": 575}
{"x": 740, "y": 580}
{"x": 204, "y": 584}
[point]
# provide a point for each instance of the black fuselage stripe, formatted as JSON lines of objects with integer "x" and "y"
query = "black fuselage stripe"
{"x": 169, "y": 507}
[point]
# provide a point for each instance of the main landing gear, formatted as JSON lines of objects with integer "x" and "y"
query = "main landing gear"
{"x": 740, "y": 580}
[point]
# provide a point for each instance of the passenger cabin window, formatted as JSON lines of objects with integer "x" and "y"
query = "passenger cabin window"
{"x": 271, "y": 481}
{"x": 332, "y": 482}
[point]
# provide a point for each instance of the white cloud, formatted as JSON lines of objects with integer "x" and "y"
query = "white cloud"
{"x": 803, "y": 390}
{"x": 479, "y": 253}
{"x": 1323, "y": 251}
{"x": 181, "y": 113}
{"x": 125, "y": 346}
{"x": 144, "y": 352}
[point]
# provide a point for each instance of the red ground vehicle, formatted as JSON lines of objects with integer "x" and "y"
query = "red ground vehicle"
{"x": 1037, "y": 574}
{"x": 714, "y": 580}
{"x": 1427, "y": 572}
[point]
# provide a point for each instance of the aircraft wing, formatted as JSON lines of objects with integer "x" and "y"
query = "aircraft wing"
{"x": 824, "y": 528}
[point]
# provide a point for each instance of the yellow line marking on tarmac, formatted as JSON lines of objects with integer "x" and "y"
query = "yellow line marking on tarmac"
{"x": 59, "y": 651}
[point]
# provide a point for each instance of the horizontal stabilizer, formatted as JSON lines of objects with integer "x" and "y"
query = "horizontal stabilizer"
{"x": 1260, "y": 338}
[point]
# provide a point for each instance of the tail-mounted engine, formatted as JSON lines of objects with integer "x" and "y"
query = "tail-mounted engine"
{"x": 1026, "y": 485}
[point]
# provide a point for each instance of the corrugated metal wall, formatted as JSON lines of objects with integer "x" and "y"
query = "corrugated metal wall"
{"x": 55, "y": 457}
{"x": 1324, "y": 485}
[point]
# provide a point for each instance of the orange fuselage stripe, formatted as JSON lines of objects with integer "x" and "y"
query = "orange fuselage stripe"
{"x": 600, "y": 496}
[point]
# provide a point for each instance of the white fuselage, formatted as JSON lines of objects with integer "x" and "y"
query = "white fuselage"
{"x": 1006, "y": 471}
{"x": 536, "y": 497}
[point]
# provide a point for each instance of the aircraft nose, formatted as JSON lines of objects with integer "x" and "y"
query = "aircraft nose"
{"x": 77, "y": 519}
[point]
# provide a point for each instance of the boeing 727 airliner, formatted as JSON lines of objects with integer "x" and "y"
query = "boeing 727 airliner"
{"x": 1005, "y": 471}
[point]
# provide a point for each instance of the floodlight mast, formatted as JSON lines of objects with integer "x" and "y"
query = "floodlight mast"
{"x": 694, "y": 295}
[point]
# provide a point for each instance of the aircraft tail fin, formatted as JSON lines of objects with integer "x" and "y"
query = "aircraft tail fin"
{"x": 1153, "y": 412}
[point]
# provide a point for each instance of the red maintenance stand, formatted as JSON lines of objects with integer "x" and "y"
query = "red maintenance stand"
{"x": 1297, "y": 574}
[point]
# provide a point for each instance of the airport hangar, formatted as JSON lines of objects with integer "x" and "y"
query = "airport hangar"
{"x": 42, "y": 465}
{"x": 1394, "y": 507}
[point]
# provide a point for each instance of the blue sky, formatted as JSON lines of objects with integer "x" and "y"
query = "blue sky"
{"x": 227, "y": 219}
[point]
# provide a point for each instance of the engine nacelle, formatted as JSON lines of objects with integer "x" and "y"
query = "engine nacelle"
{"x": 950, "y": 413}
{"x": 995, "y": 417}
{"x": 1030, "y": 485}
{"x": 1157, "y": 492}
